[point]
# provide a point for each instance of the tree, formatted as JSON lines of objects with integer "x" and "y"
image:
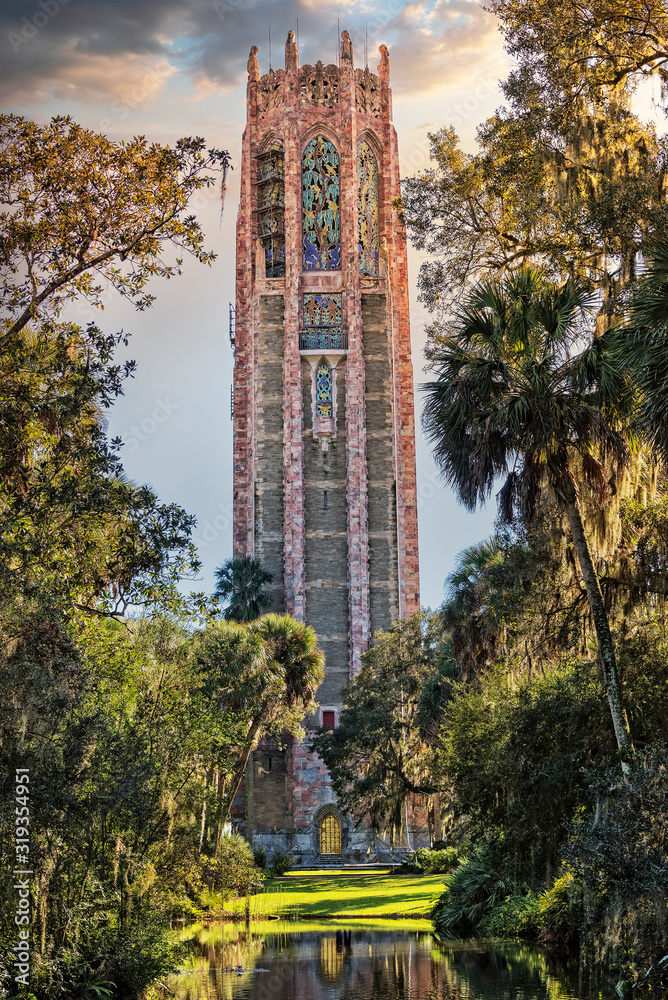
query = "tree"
{"x": 266, "y": 673}
{"x": 643, "y": 343}
{"x": 584, "y": 48}
{"x": 566, "y": 179}
{"x": 381, "y": 751}
{"x": 468, "y": 614}
{"x": 240, "y": 581}
{"x": 84, "y": 213}
{"x": 515, "y": 395}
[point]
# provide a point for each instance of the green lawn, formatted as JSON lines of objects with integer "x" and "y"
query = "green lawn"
{"x": 310, "y": 896}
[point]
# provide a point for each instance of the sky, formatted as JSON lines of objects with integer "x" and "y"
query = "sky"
{"x": 169, "y": 69}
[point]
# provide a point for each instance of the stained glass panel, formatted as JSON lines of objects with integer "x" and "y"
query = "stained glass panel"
{"x": 367, "y": 208}
{"x": 322, "y": 327}
{"x": 323, "y": 390}
{"x": 320, "y": 206}
{"x": 271, "y": 209}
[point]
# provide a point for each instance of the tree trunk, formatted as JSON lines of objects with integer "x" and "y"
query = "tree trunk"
{"x": 606, "y": 647}
{"x": 203, "y": 823}
{"x": 241, "y": 767}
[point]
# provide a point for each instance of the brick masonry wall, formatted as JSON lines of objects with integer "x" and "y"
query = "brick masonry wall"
{"x": 269, "y": 513}
{"x": 326, "y": 539}
{"x": 351, "y": 567}
{"x": 382, "y": 496}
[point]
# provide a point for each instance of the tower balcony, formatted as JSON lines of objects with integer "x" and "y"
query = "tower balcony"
{"x": 323, "y": 338}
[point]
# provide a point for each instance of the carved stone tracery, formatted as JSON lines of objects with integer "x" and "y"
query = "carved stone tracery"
{"x": 319, "y": 85}
{"x": 271, "y": 92}
{"x": 367, "y": 92}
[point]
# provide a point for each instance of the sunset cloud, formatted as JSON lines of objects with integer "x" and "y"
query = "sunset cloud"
{"x": 103, "y": 51}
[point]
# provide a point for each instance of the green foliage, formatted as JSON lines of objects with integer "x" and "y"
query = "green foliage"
{"x": 436, "y": 862}
{"x": 642, "y": 345}
{"x": 514, "y": 753}
{"x": 71, "y": 525}
{"x": 381, "y": 750}
{"x": 240, "y": 582}
{"x": 472, "y": 891}
{"x": 83, "y": 211}
{"x": 514, "y": 392}
{"x": 265, "y": 674}
{"x": 516, "y": 395}
{"x": 237, "y": 872}
{"x": 260, "y": 857}
{"x": 281, "y": 862}
{"x": 566, "y": 178}
{"x": 559, "y": 912}
{"x": 515, "y": 917}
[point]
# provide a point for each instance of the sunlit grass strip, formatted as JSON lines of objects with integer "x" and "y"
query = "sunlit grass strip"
{"x": 306, "y": 896}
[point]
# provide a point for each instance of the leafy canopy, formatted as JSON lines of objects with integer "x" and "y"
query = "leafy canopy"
{"x": 566, "y": 178}
{"x": 381, "y": 750}
{"x": 517, "y": 394}
{"x": 240, "y": 582}
{"x": 84, "y": 213}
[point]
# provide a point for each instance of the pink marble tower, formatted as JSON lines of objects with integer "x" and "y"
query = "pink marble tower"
{"x": 324, "y": 425}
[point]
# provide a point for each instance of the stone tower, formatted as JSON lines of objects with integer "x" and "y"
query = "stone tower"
{"x": 324, "y": 435}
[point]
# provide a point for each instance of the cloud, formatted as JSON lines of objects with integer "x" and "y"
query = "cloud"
{"x": 107, "y": 50}
{"x": 443, "y": 43}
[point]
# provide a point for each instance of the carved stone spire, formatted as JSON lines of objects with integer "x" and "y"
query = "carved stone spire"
{"x": 291, "y": 54}
{"x": 346, "y": 47}
{"x": 253, "y": 68}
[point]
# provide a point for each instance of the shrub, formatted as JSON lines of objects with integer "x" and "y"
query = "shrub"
{"x": 282, "y": 862}
{"x": 619, "y": 871}
{"x": 476, "y": 887}
{"x": 235, "y": 868}
{"x": 515, "y": 917}
{"x": 260, "y": 857}
{"x": 436, "y": 862}
{"x": 559, "y": 913}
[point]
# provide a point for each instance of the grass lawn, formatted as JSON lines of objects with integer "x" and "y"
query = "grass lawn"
{"x": 311, "y": 896}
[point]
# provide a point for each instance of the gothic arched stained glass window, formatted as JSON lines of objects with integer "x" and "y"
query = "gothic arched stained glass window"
{"x": 323, "y": 390}
{"x": 320, "y": 206}
{"x": 367, "y": 209}
{"x": 271, "y": 209}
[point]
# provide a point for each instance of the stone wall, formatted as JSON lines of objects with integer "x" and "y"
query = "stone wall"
{"x": 269, "y": 512}
{"x": 381, "y": 483}
{"x": 327, "y": 539}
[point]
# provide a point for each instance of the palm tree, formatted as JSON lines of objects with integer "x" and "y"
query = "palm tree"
{"x": 517, "y": 395}
{"x": 643, "y": 345}
{"x": 240, "y": 581}
{"x": 281, "y": 664}
{"x": 467, "y": 613}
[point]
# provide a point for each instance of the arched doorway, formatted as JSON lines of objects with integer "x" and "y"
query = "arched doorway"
{"x": 330, "y": 835}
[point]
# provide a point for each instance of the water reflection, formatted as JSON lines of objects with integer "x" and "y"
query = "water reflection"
{"x": 299, "y": 961}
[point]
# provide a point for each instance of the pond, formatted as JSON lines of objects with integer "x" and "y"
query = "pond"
{"x": 292, "y": 960}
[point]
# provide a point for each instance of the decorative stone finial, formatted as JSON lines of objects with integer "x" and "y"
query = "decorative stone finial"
{"x": 346, "y": 47}
{"x": 253, "y": 68}
{"x": 291, "y": 53}
{"x": 384, "y": 64}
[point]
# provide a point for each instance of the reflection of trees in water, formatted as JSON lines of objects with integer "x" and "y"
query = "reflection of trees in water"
{"x": 373, "y": 965}
{"x": 517, "y": 972}
{"x": 214, "y": 949}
